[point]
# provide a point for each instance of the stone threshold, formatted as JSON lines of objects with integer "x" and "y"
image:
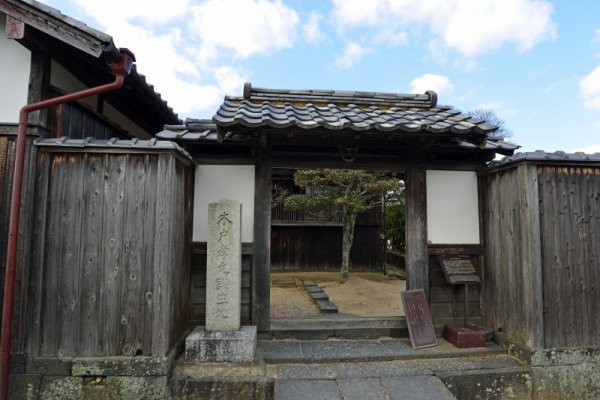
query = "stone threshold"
{"x": 332, "y": 351}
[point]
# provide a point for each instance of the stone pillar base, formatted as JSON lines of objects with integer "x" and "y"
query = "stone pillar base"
{"x": 221, "y": 346}
{"x": 462, "y": 337}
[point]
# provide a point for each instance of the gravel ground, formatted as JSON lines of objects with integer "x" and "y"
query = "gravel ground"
{"x": 364, "y": 294}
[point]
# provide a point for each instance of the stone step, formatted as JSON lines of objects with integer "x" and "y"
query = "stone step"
{"x": 326, "y": 306}
{"x": 319, "y": 295}
{"x": 284, "y": 283}
{"x": 356, "y": 369}
{"x": 347, "y": 327}
{"x": 334, "y": 351}
{"x": 220, "y": 381}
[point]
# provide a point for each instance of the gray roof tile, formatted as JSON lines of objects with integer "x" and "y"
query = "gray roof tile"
{"x": 114, "y": 143}
{"x": 542, "y": 156}
{"x": 206, "y": 131}
{"x": 337, "y": 110}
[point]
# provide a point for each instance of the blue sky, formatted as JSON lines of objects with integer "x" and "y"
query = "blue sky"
{"x": 536, "y": 63}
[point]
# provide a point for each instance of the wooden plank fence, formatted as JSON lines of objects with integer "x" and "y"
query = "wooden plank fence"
{"x": 110, "y": 261}
{"x": 542, "y": 257}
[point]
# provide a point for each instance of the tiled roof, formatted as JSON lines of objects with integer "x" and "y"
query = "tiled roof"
{"x": 336, "y": 110}
{"x": 542, "y": 156}
{"x": 204, "y": 130}
{"x": 114, "y": 143}
{"x": 200, "y": 130}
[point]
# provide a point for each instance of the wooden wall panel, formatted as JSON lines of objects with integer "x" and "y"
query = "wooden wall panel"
{"x": 570, "y": 228}
{"x": 110, "y": 254}
{"x": 512, "y": 272}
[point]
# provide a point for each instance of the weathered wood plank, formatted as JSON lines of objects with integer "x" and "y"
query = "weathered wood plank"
{"x": 52, "y": 266}
{"x": 91, "y": 254}
{"x": 147, "y": 276}
{"x": 162, "y": 256}
{"x": 262, "y": 237}
{"x": 594, "y": 261}
{"x": 551, "y": 257}
{"x": 69, "y": 278}
{"x": 112, "y": 260}
{"x": 24, "y": 249}
{"x": 416, "y": 230}
{"x": 529, "y": 215}
{"x": 129, "y": 336}
{"x": 39, "y": 236}
{"x": 14, "y": 28}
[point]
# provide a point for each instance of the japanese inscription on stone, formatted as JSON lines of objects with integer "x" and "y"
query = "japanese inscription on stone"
{"x": 418, "y": 319}
{"x": 459, "y": 270}
{"x": 223, "y": 266}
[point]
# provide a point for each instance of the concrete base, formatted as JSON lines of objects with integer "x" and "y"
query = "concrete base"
{"x": 230, "y": 346}
{"x": 462, "y": 337}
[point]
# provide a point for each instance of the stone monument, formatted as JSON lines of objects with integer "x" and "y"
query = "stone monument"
{"x": 222, "y": 339}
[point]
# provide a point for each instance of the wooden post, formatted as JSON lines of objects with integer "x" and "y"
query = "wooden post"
{"x": 262, "y": 237}
{"x": 417, "y": 260}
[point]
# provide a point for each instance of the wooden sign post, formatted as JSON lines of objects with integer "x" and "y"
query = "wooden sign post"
{"x": 459, "y": 270}
{"x": 418, "y": 319}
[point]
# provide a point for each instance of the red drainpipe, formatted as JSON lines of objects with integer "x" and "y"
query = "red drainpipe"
{"x": 120, "y": 69}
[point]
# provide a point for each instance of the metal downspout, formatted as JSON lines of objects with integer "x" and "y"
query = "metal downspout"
{"x": 120, "y": 69}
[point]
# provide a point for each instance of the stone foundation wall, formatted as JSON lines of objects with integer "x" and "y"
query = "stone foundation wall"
{"x": 92, "y": 378}
{"x": 572, "y": 373}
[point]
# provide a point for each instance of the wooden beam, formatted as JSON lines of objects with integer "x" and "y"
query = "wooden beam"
{"x": 262, "y": 237}
{"x": 39, "y": 80}
{"x": 417, "y": 261}
{"x": 14, "y": 29}
{"x": 79, "y": 36}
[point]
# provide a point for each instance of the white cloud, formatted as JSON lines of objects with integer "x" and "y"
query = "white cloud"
{"x": 438, "y": 83}
{"x": 229, "y": 79}
{"x": 353, "y": 52}
{"x": 190, "y": 65}
{"x": 596, "y": 36}
{"x": 311, "y": 30}
{"x": 589, "y": 89}
{"x": 588, "y": 149}
{"x": 469, "y": 27}
{"x": 243, "y": 27}
{"x": 147, "y": 11}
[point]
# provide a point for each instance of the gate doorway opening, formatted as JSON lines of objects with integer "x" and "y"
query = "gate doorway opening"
{"x": 306, "y": 255}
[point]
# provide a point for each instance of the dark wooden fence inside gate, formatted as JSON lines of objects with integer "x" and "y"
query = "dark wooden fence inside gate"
{"x": 542, "y": 235}
{"x": 317, "y": 245}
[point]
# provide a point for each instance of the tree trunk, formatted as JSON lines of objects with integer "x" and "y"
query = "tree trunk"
{"x": 348, "y": 218}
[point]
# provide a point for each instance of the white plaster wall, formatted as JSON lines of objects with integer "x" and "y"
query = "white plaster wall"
{"x": 14, "y": 76}
{"x": 452, "y": 207}
{"x": 216, "y": 182}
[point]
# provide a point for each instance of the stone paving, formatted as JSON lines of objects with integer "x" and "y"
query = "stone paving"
{"x": 392, "y": 388}
{"x": 374, "y": 369}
